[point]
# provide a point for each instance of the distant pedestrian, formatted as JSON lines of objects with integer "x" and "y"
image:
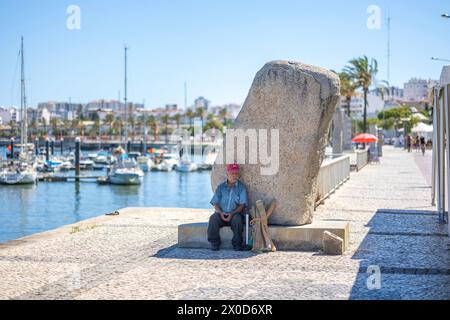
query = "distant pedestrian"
{"x": 408, "y": 142}
{"x": 423, "y": 145}
{"x": 417, "y": 142}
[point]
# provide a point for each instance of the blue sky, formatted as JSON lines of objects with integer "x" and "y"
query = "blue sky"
{"x": 217, "y": 46}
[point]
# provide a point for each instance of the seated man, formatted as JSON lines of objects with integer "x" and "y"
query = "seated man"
{"x": 229, "y": 201}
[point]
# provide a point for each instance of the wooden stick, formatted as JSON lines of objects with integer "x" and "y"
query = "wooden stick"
{"x": 272, "y": 208}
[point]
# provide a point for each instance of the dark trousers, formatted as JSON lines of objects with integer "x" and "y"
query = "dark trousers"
{"x": 215, "y": 223}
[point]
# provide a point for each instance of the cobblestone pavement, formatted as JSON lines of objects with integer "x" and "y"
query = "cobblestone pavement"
{"x": 134, "y": 255}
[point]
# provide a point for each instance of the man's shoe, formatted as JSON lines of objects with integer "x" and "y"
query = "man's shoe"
{"x": 237, "y": 248}
{"x": 215, "y": 247}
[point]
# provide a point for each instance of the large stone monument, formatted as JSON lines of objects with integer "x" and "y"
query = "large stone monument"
{"x": 337, "y": 137}
{"x": 299, "y": 101}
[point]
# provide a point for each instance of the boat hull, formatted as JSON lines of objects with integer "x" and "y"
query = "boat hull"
{"x": 18, "y": 178}
{"x": 125, "y": 179}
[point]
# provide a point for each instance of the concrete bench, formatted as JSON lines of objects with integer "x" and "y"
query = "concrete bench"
{"x": 303, "y": 238}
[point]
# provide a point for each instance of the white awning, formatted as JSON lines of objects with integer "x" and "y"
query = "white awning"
{"x": 422, "y": 128}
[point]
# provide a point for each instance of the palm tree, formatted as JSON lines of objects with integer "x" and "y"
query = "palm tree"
{"x": 67, "y": 126}
{"x": 191, "y": 115}
{"x": 76, "y": 125}
{"x": 177, "y": 118}
{"x": 95, "y": 131}
{"x": 54, "y": 122}
{"x": 165, "y": 119}
{"x": 151, "y": 122}
{"x": 223, "y": 114}
{"x": 117, "y": 127}
{"x": 361, "y": 71}
{"x": 34, "y": 126}
{"x": 348, "y": 88}
{"x": 13, "y": 130}
{"x": 109, "y": 120}
{"x": 201, "y": 113}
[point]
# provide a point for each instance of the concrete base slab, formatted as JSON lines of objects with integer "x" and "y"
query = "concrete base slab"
{"x": 303, "y": 238}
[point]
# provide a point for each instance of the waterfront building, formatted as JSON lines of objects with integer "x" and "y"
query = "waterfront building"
{"x": 6, "y": 115}
{"x": 418, "y": 89}
{"x": 201, "y": 102}
{"x": 375, "y": 104}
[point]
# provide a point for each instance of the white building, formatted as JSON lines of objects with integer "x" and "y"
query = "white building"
{"x": 114, "y": 105}
{"x": 5, "y": 115}
{"x": 201, "y": 102}
{"x": 60, "y": 110}
{"x": 416, "y": 90}
{"x": 9, "y": 114}
{"x": 375, "y": 104}
{"x": 232, "y": 110}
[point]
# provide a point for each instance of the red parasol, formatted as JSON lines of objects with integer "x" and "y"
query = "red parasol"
{"x": 365, "y": 138}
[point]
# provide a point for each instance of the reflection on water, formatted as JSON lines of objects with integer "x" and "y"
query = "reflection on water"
{"x": 28, "y": 209}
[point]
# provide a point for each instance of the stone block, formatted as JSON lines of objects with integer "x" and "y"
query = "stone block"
{"x": 332, "y": 244}
{"x": 301, "y": 238}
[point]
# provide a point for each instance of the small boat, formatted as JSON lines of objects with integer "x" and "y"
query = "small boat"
{"x": 86, "y": 164}
{"x": 99, "y": 166}
{"x": 144, "y": 163}
{"x": 66, "y": 166}
{"x": 169, "y": 162}
{"x": 101, "y": 160}
{"x": 186, "y": 166}
{"x": 92, "y": 156}
{"x": 20, "y": 174}
{"x": 209, "y": 161}
{"x": 125, "y": 172}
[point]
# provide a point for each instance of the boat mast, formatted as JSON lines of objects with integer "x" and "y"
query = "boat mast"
{"x": 125, "y": 98}
{"x": 23, "y": 104}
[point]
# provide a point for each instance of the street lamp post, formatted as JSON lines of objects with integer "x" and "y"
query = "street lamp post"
{"x": 439, "y": 59}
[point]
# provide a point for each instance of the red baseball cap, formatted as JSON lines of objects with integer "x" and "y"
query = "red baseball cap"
{"x": 232, "y": 168}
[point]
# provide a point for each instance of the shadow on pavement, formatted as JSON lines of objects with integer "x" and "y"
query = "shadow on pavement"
{"x": 174, "y": 252}
{"x": 404, "y": 255}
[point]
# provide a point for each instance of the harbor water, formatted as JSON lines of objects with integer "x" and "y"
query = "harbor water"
{"x": 29, "y": 209}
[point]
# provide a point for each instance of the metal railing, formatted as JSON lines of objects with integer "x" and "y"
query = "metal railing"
{"x": 362, "y": 159}
{"x": 332, "y": 175}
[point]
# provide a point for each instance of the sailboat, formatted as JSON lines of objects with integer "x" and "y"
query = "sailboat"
{"x": 22, "y": 172}
{"x": 126, "y": 171}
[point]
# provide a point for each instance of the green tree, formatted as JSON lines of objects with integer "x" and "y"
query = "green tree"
{"x": 153, "y": 124}
{"x": 177, "y": 118}
{"x": 214, "y": 123}
{"x": 117, "y": 127}
{"x": 201, "y": 113}
{"x": 54, "y": 123}
{"x": 348, "y": 89}
{"x": 223, "y": 114}
{"x": 191, "y": 115}
{"x": 361, "y": 71}
{"x": 109, "y": 120}
{"x": 165, "y": 120}
{"x": 398, "y": 118}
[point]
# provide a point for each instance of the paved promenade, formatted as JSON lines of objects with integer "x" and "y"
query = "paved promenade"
{"x": 134, "y": 255}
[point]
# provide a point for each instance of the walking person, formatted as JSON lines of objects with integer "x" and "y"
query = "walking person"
{"x": 417, "y": 143}
{"x": 423, "y": 145}
{"x": 408, "y": 142}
